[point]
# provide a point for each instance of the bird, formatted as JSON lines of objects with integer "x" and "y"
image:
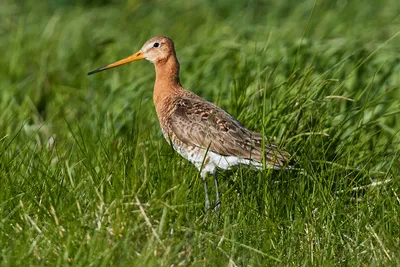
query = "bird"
{"x": 200, "y": 131}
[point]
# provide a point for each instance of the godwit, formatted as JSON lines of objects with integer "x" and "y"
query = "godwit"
{"x": 201, "y": 132}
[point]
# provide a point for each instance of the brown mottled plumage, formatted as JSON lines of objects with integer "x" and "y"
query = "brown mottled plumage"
{"x": 203, "y": 124}
{"x": 200, "y": 131}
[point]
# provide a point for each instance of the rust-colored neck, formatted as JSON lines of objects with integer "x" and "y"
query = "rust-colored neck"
{"x": 167, "y": 71}
{"x": 167, "y": 82}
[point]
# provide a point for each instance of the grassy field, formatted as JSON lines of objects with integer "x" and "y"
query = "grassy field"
{"x": 86, "y": 178}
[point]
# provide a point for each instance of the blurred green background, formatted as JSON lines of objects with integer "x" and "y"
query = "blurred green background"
{"x": 78, "y": 153}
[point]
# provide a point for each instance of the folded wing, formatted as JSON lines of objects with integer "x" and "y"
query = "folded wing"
{"x": 203, "y": 124}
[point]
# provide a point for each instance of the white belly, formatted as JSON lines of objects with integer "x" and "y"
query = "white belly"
{"x": 208, "y": 161}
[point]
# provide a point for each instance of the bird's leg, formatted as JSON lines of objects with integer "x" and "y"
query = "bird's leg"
{"x": 207, "y": 204}
{"x": 206, "y": 194}
{"x": 217, "y": 201}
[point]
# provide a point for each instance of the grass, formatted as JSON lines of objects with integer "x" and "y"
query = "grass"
{"x": 87, "y": 178}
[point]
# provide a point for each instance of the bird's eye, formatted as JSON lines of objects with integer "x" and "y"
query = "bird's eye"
{"x": 156, "y": 44}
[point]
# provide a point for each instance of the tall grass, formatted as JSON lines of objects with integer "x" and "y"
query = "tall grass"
{"x": 87, "y": 178}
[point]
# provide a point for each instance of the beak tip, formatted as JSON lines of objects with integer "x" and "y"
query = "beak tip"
{"x": 95, "y": 71}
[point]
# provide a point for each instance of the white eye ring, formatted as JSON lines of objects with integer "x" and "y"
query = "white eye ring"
{"x": 156, "y": 44}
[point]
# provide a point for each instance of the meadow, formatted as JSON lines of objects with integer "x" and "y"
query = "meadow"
{"x": 87, "y": 179}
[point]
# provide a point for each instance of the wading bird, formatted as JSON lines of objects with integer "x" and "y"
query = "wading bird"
{"x": 198, "y": 130}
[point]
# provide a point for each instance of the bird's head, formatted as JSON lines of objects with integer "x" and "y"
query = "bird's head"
{"x": 155, "y": 50}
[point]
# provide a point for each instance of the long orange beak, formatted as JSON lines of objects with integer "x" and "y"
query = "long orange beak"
{"x": 137, "y": 56}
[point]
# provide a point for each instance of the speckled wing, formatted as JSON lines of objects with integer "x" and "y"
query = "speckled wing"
{"x": 202, "y": 124}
